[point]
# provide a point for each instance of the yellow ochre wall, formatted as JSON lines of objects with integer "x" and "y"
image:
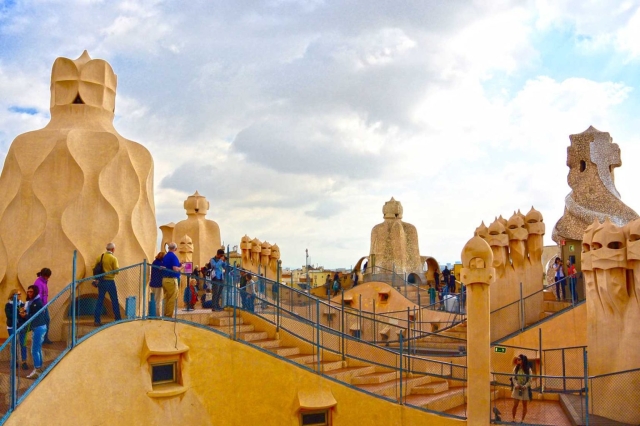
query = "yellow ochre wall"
{"x": 105, "y": 380}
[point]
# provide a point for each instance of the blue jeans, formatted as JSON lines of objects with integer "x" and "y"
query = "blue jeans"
{"x": 36, "y": 345}
{"x": 104, "y": 287}
{"x": 561, "y": 283}
{"x": 22, "y": 339}
{"x": 572, "y": 289}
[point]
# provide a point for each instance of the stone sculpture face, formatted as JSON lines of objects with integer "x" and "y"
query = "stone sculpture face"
{"x": 275, "y": 252}
{"x": 516, "y": 229}
{"x": 497, "y": 235}
{"x": 256, "y": 247}
{"x": 633, "y": 241}
{"x": 265, "y": 251}
{"x": 534, "y": 222}
{"x": 608, "y": 247}
{"x": 185, "y": 245}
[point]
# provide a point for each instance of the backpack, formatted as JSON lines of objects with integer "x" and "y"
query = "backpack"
{"x": 336, "y": 285}
{"x": 99, "y": 268}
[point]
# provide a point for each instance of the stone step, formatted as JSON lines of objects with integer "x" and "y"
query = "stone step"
{"x": 392, "y": 387}
{"x": 544, "y": 315}
{"x": 376, "y": 377}
{"x": 326, "y": 365}
{"x": 345, "y": 374}
{"x": 302, "y": 358}
{"x": 549, "y": 295}
{"x": 442, "y": 401}
{"x": 285, "y": 351}
{"x": 225, "y": 321}
{"x": 252, "y": 336}
{"x": 266, "y": 343}
{"x": 431, "y": 388}
{"x": 228, "y": 329}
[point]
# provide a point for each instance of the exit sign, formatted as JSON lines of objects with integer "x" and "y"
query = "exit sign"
{"x": 500, "y": 349}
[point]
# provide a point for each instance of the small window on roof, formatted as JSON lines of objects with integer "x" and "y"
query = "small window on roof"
{"x": 314, "y": 418}
{"x": 166, "y": 372}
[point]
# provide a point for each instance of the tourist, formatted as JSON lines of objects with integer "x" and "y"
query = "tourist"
{"x": 436, "y": 278}
{"x": 190, "y": 295}
{"x": 206, "y": 300}
{"x": 432, "y": 297}
{"x": 217, "y": 278}
{"x": 355, "y": 278}
{"x": 560, "y": 281}
{"x": 336, "y": 284}
{"x": 33, "y": 306}
{"x": 170, "y": 277}
{"x": 327, "y": 285}
{"x": 42, "y": 282}
{"x": 452, "y": 283}
{"x": 521, "y": 390}
{"x": 250, "y": 293}
{"x": 22, "y": 337}
{"x": 107, "y": 284}
{"x": 571, "y": 272}
{"x": 445, "y": 275}
{"x": 155, "y": 282}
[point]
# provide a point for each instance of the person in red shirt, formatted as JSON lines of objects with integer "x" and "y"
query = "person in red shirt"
{"x": 571, "y": 272}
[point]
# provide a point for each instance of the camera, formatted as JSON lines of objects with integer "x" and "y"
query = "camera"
{"x": 520, "y": 392}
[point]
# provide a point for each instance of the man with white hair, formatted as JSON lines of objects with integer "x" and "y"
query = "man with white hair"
{"x": 107, "y": 283}
{"x": 170, "y": 277}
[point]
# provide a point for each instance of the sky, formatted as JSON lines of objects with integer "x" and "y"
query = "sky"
{"x": 299, "y": 119}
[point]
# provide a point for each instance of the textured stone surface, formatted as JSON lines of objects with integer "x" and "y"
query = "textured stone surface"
{"x": 204, "y": 233}
{"x": 611, "y": 267}
{"x": 395, "y": 243}
{"x": 76, "y": 184}
{"x": 517, "y": 246}
{"x": 260, "y": 257}
{"x": 592, "y": 158}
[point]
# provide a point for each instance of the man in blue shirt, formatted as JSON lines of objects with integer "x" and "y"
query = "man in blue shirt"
{"x": 217, "y": 278}
{"x": 170, "y": 277}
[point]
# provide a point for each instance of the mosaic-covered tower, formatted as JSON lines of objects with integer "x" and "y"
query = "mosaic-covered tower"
{"x": 76, "y": 184}
{"x": 592, "y": 158}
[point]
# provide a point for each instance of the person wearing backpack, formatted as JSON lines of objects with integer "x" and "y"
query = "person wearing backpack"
{"x": 108, "y": 264}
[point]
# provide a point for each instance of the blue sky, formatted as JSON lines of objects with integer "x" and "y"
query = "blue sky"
{"x": 299, "y": 119}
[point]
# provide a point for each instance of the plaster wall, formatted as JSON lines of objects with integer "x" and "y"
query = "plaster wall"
{"x": 105, "y": 380}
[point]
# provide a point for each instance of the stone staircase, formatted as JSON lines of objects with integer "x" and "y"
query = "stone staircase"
{"x": 426, "y": 391}
{"x": 551, "y": 305}
{"x": 443, "y": 343}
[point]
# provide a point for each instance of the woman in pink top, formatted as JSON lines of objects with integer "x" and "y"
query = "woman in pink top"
{"x": 42, "y": 282}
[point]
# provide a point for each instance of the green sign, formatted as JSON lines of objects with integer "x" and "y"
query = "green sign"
{"x": 572, "y": 247}
{"x": 500, "y": 349}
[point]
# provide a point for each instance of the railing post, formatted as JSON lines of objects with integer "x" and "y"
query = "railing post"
{"x": 73, "y": 300}
{"x": 375, "y": 321}
{"x": 318, "y": 334}
{"x": 360, "y": 325}
{"x": 278, "y": 297}
{"x": 564, "y": 373}
{"x": 144, "y": 288}
{"x": 342, "y": 326}
{"x": 14, "y": 354}
{"x": 540, "y": 357}
{"x": 586, "y": 385}
{"x": 233, "y": 295}
{"x": 401, "y": 343}
{"x": 522, "y": 320}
